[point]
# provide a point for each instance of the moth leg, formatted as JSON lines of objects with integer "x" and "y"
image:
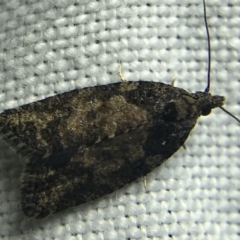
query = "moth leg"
{"x": 145, "y": 181}
{"x": 173, "y": 81}
{"x": 121, "y": 74}
{"x": 184, "y": 146}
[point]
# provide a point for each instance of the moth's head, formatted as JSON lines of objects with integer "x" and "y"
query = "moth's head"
{"x": 191, "y": 106}
{"x": 206, "y": 102}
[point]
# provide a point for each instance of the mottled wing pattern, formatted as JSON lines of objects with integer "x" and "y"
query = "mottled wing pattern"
{"x": 86, "y": 143}
{"x": 98, "y": 170}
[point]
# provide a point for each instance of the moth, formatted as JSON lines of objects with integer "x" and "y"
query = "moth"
{"x": 83, "y": 144}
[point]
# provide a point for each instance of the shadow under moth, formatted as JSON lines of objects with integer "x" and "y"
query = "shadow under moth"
{"x": 83, "y": 144}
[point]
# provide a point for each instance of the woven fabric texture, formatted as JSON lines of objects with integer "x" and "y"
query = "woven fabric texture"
{"x": 50, "y": 47}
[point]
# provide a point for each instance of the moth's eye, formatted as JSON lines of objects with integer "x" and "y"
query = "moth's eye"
{"x": 170, "y": 112}
{"x": 206, "y": 110}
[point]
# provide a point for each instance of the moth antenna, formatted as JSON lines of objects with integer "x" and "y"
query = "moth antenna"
{"x": 209, "y": 60}
{"x": 230, "y": 114}
{"x": 209, "y": 47}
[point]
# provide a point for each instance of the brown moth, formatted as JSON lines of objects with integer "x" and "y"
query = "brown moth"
{"x": 83, "y": 144}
